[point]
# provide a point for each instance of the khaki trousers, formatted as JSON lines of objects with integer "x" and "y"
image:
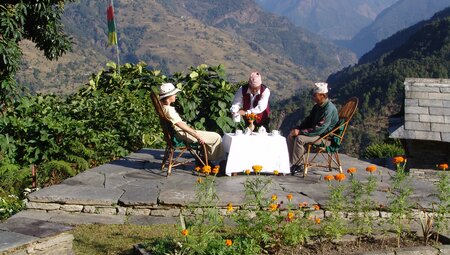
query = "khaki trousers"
{"x": 212, "y": 140}
{"x": 296, "y": 147}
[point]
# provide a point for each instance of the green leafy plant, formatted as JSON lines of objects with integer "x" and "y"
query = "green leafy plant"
{"x": 334, "y": 227}
{"x": 441, "y": 221}
{"x": 400, "y": 204}
{"x": 383, "y": 150}
{"x": 361, "y": 203}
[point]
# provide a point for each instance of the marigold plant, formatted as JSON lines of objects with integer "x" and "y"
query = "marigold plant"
{"x": 185, "y": 232}
{"x": 273, "y": 207}
{"x": 290, "y": 215}
{"x": 443, "y": 166}
{"x": 247, "y": 172}
{"x": 371, "y": 168}
{"x": 228, "y": 242}
{"x": 339, "y": 177}
{"x": 216, "y": 170}
{"x": 206, "y": 169}
{"x": 257, "y": 168}
{"x": 304, "y": 204}
{"x": 352, "y": 170}
{"x": 398, "y": 160}
{"x": 276, "y": 172}
{"x": 230, "y": 207}
{"x": 289, "y": 197}
{"x": 274, "y": 197}
{"x": 328, "y": 177}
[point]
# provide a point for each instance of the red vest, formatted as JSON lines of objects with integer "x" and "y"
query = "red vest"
{"x": 263, "y": 116}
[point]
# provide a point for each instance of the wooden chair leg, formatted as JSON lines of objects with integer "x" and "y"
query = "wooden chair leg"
{"x": 169, "y": 168}
{"x": 165, "y": 158}
{"x": 306, "y": 161}
{"x": 338, "y": 160}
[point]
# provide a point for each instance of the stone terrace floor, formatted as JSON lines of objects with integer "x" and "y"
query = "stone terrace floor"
{"x": 135, "y": 185}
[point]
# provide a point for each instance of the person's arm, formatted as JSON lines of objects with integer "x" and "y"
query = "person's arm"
{"x": 190, "y": 131}
{"x": 237, "y": 101}
{"x": 176, "y": 120}
{"x": 322, "y": 125}
{"x": 262, "y": 103}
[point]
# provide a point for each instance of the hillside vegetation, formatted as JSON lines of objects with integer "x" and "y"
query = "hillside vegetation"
{"x": 379, "y": 83}
{"x": 173, "y": 35}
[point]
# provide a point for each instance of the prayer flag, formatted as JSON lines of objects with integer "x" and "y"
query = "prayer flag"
{"x": 112, "y": 34}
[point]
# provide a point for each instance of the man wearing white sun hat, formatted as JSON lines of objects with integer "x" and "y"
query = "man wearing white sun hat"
{"x": 322, "y": 118}
{"x": 213, "y": 141}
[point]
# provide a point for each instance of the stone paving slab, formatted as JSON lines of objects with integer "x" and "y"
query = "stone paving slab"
{"x": 80, "y": 194}
{"x": 34, "y": 227}
{"x": 9, "y": 240}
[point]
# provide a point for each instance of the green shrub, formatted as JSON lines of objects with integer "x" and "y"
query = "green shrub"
{"x": 383, "y": 150}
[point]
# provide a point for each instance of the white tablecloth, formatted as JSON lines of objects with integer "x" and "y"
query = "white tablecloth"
{"x": 245, "y": 151}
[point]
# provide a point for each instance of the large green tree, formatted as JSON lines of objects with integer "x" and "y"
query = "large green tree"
{"x": 36, "y": 20}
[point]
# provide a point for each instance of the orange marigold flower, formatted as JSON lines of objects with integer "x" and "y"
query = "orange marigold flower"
{"x": 257, "y": 168}
{"x": 317, "y": 220}
{"x": 274, "y": 197}
{"x": 371, "y": 168}
{"x": 199, "y": 180}
{"x": 352, "y": 170}
{"x": 215, "y": 170}
{"x": 443, "y": 166}
{"x": 289, "y": 197}
{"x": 228, "y": 242}
{"x": 273, "y": 207}
{"x": 275, "y": 172}
{"x": 197, "y": 168}
{"x": 328, "y": 177}
{"x": 206, "y": 169}
{"x": 304, "y": 204}
{"x": 316, "y": 207}
{"x": 184, "y": 232}
{"x": 247, "y": 172}
{"x": 290, "y": 215}
{"x": 230, "y": 207}
{"x": 398, "y": 159}
{"x": 339, "y": 177}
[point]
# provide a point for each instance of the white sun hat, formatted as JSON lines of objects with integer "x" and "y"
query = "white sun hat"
{"x": 167, "y": 89}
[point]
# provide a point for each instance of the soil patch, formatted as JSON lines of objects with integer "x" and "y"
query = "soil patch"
{"x": 354, "y": 247}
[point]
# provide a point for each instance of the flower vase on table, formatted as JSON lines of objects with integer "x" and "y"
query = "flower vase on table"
{"x": 251, "y": 126}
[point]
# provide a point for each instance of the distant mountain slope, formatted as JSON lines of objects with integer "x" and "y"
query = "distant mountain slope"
{"x": 379, "y": 84}
{"x": 398, "y": 39}
{"x": 336, "y": 20}
{"x": 265, "y": 32}
{"x": 174, "y": 35}
{"x": 399, "y": 16}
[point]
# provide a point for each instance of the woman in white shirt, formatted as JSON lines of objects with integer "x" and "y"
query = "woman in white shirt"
{"x": 212, "y": 140}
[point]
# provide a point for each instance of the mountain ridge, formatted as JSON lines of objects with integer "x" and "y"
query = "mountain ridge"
{"x": 168, "y": 36}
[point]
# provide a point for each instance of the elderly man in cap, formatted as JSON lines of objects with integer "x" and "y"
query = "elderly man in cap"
{"x": 213, "y": 141}
{"x": 322, "y": 118}
{"x": 253, "y": 98}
